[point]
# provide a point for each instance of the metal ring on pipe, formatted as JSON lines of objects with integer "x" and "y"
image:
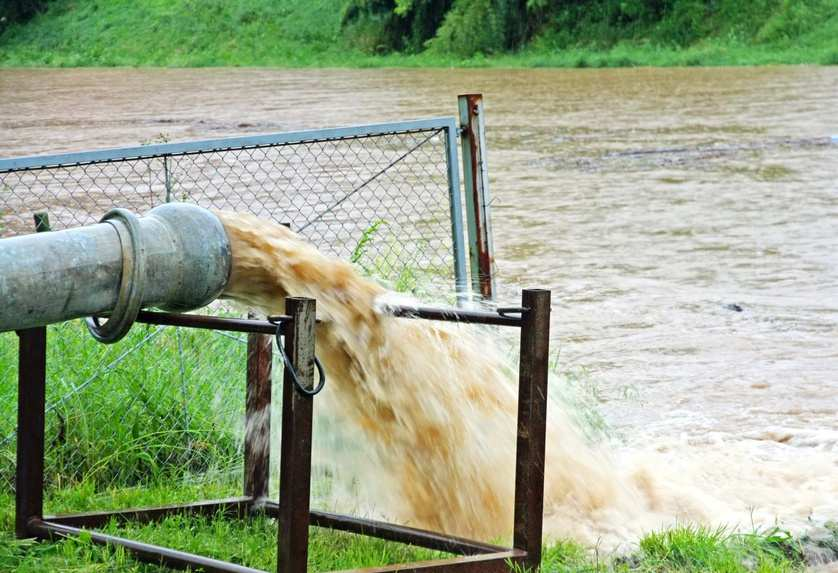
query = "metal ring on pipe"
{"x": 130, "y": 297}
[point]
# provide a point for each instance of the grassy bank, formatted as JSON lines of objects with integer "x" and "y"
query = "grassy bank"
{"x": 303, "y": 33}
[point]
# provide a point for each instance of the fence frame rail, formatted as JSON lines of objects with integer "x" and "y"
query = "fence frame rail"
{"x": 222, "y": 144}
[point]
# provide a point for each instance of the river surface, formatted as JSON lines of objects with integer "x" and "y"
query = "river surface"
{"x": 685, "y": 219}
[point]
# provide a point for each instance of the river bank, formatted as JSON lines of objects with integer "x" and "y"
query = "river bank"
{"x": 295, "y": 33}
{"x": 623, "y": 56}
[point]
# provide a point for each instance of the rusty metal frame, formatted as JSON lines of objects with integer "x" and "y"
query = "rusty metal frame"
{"x": 533, "y": 318}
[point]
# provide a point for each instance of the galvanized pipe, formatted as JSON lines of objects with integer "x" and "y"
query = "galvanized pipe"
{"x": 177, "y": 258}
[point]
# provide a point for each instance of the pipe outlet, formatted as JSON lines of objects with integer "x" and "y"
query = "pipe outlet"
{"x": 177, "y": 257}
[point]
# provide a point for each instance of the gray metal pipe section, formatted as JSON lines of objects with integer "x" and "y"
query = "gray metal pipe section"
{"x": 62, "y": 275}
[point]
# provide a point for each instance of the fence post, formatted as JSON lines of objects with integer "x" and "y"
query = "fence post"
{"x": 167, "y": 179}
{"x": 476, "y": 181}
{"x": 532, "y": 424}
{"x": 295, "y": 452}
{"x": 453, "y": 167}
{"x": 41, "y": 222}
{"x": 31, "y": 411}
{"x": 257, "y": 442}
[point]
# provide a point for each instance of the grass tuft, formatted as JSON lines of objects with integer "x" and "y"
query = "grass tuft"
{"x": 697, "y": 548}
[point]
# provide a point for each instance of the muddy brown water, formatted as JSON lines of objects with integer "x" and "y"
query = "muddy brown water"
{"x": 685, "y": 219}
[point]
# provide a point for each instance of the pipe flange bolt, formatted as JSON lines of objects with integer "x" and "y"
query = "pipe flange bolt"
{"x": 131, "y": 283}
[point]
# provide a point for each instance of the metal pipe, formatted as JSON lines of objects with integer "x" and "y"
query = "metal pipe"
{"x": 212, "y": 322}
{"x": 177, "y": 258}
{"x": 500, "y": 317}
{"x": 142, "y": 551}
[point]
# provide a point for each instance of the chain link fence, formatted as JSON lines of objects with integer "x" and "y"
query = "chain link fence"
{"x": 166, "y": 405}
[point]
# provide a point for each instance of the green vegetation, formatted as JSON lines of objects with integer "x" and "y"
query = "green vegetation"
{"x": 166, "y": 419}
{"x": 367, "y": 236}
{"x": 251, "y": 542}
{"x": 414, "y": 33}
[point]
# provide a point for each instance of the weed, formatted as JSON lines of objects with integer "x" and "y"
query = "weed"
{"x": 367, "y": 236}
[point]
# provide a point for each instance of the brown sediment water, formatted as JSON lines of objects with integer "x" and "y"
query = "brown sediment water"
{"x": 650, "y": 201}
{"x": 435, "y": 405}
{"x": 434, "y": 409}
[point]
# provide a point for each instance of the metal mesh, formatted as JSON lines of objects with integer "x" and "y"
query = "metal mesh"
{"x": 166, "y": 405}
{"x": 392, "y": 189}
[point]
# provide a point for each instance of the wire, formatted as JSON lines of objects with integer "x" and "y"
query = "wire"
{"x": 300, "y": 387}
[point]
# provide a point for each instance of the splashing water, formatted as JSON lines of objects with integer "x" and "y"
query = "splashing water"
{"x": 435, "y": 405}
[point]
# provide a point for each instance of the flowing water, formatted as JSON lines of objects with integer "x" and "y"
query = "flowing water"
{"x": 434, "y": 405}
{"x": 684, "y": 219}
{"x": 392, "y": 380}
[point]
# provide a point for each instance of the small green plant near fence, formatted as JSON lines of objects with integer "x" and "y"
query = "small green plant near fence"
{"x": 360, "y": 250}
{"x": 392, "y": 272}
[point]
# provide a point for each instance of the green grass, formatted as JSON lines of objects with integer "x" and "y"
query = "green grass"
{"x": 691, "y": 548}
{"x": 251, "y": 542}
{"x": 123, "y": 417}
{"x": 307, "y": 33}
{"x": 127, "y": 429}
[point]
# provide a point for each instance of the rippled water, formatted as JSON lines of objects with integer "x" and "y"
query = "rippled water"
{"x": 686, "y": 220}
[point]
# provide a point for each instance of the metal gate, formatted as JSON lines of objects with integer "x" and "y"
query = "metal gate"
{"x": 169, "y": 403}
{"x": 386, "y": 196}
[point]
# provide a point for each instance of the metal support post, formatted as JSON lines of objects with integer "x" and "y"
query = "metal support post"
{"x": 31, "y": 411}
{"x": 295, "y": 460}
{"x": 31, "y": 405}
{"x": 476, "y": 181}
{"x": 532, "y": 424}
{"x": 257, "y": 443}
{"x": 452, "y": 164}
